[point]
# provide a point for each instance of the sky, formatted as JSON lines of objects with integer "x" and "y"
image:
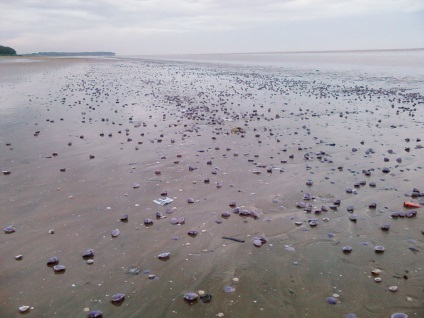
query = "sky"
{"x": 149, "y": 27}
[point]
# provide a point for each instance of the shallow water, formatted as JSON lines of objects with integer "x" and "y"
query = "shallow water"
{"x": 168, "y": 116}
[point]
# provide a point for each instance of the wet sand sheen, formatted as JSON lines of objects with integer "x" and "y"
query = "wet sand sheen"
{"x": 77, "y": 135}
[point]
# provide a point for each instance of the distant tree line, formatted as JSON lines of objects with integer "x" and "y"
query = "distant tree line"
{"x": 5, "y": 50}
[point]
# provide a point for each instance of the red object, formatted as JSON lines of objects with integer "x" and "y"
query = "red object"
{"x": 411, "y": 204}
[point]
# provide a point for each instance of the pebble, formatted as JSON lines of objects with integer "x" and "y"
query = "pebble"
{"x": 95, "y": 314}
{"x": 376, "y": 271}
{"x": 257, "y": 243}
{"x": 190, "y": 297}
{"x": 393, "y": 288}
{"x": 10, "y": 229}
{"x": 59, "y": 268}
{"x": 164, "y": 256}
{"x": 118, "y": 298}
{"x": 347, "y": 249}
{"x": 23, "y": 309}
{"x": 399, "y": 315}
{"x": 229, "y": 289}
{"x": 379, "y": 249}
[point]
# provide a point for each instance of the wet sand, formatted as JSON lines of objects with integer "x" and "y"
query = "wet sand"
{"x": 89, "y": 140}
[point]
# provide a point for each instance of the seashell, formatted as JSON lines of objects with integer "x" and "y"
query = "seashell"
{"x": 115, "y": 233}
{"x": 59, "y": 268}
{"x": 192, "y": 233}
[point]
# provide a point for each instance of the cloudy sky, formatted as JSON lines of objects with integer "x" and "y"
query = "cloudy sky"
{"x": 130, "y": 27}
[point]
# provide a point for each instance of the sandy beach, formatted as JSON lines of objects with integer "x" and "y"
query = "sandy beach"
{"x": 286, "y": 181}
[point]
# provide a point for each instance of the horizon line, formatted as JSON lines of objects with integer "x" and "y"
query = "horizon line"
{"x": 290, "y": 52}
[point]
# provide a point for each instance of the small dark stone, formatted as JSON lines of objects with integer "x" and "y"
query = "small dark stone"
{"x": 385, "y": 227}
{"x": 190, "y": 297}
{"x": 164, "y": 256}
{"x": 88, "y": 253}
{"x": 331, "y": 300}
{"x": 313, "y": 223}
{"x": 53, "y": 261}
{"x": 148, "y": 222}
{"x": 206, "y": 298}
{"x": 10, "y": 229}
{"x": 95, "y": 314}
{"x": 159, "y": 215}
{"x": 118, "y": 298}
{"x": 379, "y": 249}
{"x": 411, "y": 214}
{"x": 192, "y": 233}
{"x": 347, "y": 249}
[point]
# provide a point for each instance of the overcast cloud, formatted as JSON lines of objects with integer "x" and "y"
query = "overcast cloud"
{"x": 210, "y": 26}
